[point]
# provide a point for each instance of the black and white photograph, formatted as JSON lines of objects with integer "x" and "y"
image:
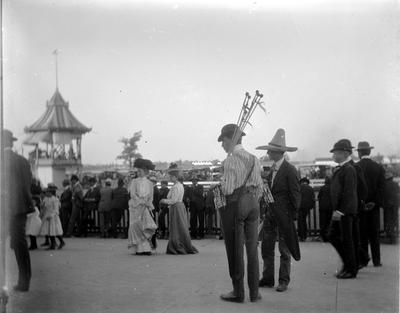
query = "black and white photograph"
{"x": 170, "y": 156}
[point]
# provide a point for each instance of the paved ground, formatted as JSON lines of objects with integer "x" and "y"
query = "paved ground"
{"x": 99, "y": 275}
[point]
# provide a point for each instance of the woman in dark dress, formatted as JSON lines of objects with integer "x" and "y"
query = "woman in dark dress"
{"x": 179, "y": 237}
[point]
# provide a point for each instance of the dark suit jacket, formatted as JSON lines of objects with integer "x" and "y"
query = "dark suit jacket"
{"x": 119, "y": 198}
{"x": 18, "y": 179}
{"x": 77, "y": 195}
{"x": 344, "y": 189}
{"x": 375, "y": 178}
{"x": 92, "y": 198}
{"x": 286, "y": 189}
{"x": 66, "y": 199}
{"x": 362, "y": 188}
{"x": 196, "y": 195}
{"x": 307, "y": 197}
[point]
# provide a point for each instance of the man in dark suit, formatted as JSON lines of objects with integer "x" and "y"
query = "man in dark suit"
{"x": 344, "y": 204}
{"x": 369, "y": 218}
{"x": 163, "y": 210}
{"x": 90, "y": 203}
{"x": 77, "y": 204}
{"x": 18, "y": 202}
{"x": 283, "y": 181}
{"x": 306, "y": 205}
{"x": 196, "y": 209}
{"x": 66, "y": 204}
{"x": 325, "y": 209}
{"x": 119, "y": 203}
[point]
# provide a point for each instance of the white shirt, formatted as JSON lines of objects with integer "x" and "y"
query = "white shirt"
{"x": 175, "y": 194}
{"x": 275, "y": 168}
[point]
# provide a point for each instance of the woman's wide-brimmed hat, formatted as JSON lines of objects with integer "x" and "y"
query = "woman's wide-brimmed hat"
{"x": 144, "y": 164}
{"x": 278, "y": 143}
{"x": 364, "y": 145}
{"x": 342, "y": 145}
{"x": 173, "y": 169}
{"x": 51, "y": 187}
{"x": 228, "y": 130}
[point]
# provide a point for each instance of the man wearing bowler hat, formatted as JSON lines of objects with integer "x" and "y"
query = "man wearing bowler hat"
{"x": 279, "y": 218}
{"x": 242, "y": 186}
{"x": 344, "y": 205}
{"x": 18, "y": 202}
{"x": 369, "y": 218}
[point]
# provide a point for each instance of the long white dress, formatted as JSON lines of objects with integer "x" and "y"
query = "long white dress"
{"x": 141, "y": 223}
{"x": 51, "y": 224}
{"x": 33, "y": 223}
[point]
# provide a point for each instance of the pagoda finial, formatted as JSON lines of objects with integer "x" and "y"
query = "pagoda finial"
{"x": 55, "y": 53}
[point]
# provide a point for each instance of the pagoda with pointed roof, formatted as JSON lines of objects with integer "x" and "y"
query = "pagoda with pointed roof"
{"x": 57, "y": 136}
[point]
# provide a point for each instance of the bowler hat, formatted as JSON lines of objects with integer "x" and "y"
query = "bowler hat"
{"x": 364, "y": 145}
{"x": 228, "y": 130}
{"x": 343, "y": 145}
{"x": 278, "y": 143}
{"x": 8, "y": 135}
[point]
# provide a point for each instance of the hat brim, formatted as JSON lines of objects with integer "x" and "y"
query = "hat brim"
{"x": 365, "y": 148}
{"x": 339, "y": 149}
{"x": 276, "y": 148}
{"x": 229, "y": 135}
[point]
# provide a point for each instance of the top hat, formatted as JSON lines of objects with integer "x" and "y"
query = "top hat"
{"x": 364, "y": 145}
{"x": 278, "y": 143}
{"x": 228, "y": 130}
{"x": 8, "y": 135}
{"x": 144, "y": 164}
{"x": 343, "y": 145}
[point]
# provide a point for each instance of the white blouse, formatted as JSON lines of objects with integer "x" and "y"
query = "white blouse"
{"x": 175, "y": 194}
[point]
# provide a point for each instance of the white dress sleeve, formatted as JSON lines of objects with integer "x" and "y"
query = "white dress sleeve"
{"x": 175, "y": 195}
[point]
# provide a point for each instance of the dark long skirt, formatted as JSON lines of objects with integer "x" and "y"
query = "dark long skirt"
{"x": 179, "y": 238}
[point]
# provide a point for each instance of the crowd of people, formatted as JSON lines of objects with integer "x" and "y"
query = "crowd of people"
{"x": 349, "y": 205}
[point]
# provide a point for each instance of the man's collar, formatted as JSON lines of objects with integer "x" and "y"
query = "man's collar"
{"x": 236, "y": 148}
{"x": 278, "y": 164}
{"x": 365, "y": 157}
{"x": 345, "y": 161}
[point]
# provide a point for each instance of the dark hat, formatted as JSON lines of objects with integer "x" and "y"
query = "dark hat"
{"x": 66, "y": 182}
{"x": 364, "y": 145}
{"x": 195, "y": 179}
{"x": 74, "y": 177}
{"x": 8, "y": 135}
{"x": 50, "y": 187}
{"x": 164, "y": 182}
{"x": 278, "y": 143}
{"x": 144, "y": 164}
{"x": 228, "y": 130}
{"x": 305, "y": 180}
{"x": 343, "y": 145}
{"x": 92, "y": 180}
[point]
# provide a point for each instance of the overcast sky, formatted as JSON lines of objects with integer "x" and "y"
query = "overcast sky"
{"x": 178, "y": 72}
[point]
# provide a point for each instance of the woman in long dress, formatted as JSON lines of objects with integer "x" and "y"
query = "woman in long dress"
{"x": 141, "y": 223}
{"x": 179, "y": 237}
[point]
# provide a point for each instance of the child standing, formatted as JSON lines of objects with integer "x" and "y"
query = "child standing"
{"x": 51, "y": 224}
{"x": 33, "y": 224}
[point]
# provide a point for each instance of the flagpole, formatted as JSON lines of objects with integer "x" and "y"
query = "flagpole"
{"x": 55, "y": 52}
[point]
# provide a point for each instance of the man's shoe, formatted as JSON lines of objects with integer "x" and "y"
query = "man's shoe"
{"x": 256, "y": 298}
{"x": 346, "y": 275}
{"x": 281, "y": 288}
{"x": 32, "y": 247}
{"x": 231, "y": 297}
{"x": 52, "y": 247}
{"x": 264, "y": 283}
{"x": 62, "y": 244}
{"x": 21, "y": 288}
{"x": 378, "y": 265}
{"x": 44, "y": 244}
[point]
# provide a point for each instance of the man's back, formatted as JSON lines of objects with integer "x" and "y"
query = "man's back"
{"x": 375, "y": 179}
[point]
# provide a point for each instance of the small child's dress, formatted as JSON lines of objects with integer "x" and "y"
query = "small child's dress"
{"x": 51, "y": 224}
{"x": 33, "y": 223}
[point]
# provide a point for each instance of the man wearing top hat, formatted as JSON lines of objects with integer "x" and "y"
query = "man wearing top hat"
{"x": 18, "y": 202}
{"x": 242, "y": 186}
{"x": 369, "y": 218}
{"x": 344, "y": 205}
{"x": 279, "y": 219}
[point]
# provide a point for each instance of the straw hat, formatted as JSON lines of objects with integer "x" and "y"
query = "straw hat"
{"x": 278, "y": 143}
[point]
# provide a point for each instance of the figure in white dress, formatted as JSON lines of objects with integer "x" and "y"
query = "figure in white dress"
{"x": 142, "y": 228}
{"x": 33, "y": 224}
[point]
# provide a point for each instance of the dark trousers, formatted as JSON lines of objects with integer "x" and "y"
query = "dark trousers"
{"x": 161, "y": 219}
{"x": 210, "y": 215}
{"x": 104, "y": 221}
{"x": 240, "y": 227}
{"x": 20, "y": 247}
{"x": 270, "y": 234}
{"x": 369, "y": 236}
{"x": 65, "y": 215}
{"x": 85, "y": 218}
{"x": 391, "y": 222}
{"x": 116, "y": 215}
{"x": 341, "y": 237}
{"x": 302, "y": 224}
{"x": 74, "y": 219}
{"x": 196, "y": 214}
{"x": 324, "y": 222}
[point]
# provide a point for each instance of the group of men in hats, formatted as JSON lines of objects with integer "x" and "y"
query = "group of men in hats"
{"x": 356, "y": 194}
